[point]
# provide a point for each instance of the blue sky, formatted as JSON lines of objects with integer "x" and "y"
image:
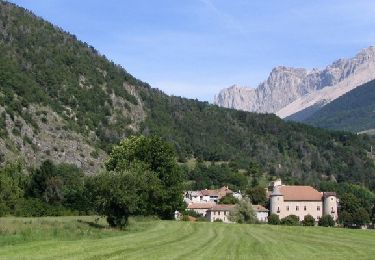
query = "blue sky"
{"x": 194, "y": 48}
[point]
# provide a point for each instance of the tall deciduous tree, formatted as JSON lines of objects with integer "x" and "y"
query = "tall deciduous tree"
{"x": 257, "y": 195}
{"x": 12, "y": 181}
{"x": 159, "y": 158}
{"x": 133, "y": 191}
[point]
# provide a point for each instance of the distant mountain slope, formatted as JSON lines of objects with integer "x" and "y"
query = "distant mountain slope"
{"x": 61, "y": 100}
{"x": 354, "y": 111}
{"x": 297, "y": 93}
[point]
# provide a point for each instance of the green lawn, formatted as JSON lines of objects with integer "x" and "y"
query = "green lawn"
{"x": 65, "y": 237}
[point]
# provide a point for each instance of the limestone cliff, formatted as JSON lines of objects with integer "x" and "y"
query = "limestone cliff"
{"x": 288, "y": 90}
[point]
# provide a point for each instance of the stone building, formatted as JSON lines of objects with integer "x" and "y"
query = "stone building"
{"x": 288, "y": 200}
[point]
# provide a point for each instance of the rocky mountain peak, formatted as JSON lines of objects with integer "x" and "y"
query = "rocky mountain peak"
{"x": 286, "y": 84}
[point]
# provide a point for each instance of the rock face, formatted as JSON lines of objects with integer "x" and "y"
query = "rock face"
{"x": 288, "y": 91}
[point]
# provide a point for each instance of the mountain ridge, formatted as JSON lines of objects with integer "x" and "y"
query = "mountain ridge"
{"x": 354, "y": 111}
{"x": 289, "y": 90}
{"x": 61, "y": 100}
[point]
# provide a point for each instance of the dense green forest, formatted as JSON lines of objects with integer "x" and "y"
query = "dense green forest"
{"x": 43, "y": 66}
{"x": 354, "y": 111}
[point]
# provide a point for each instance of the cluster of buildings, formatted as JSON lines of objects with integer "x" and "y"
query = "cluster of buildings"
{"x": 205, "y": 202}
{"x": 284, "y": 200}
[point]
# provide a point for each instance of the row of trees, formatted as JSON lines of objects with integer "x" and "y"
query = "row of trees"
{"x": 141, "y": 178}
{"x": 47, "y": 190}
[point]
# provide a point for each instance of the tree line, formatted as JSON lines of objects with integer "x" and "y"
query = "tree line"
{"x": 142, "y": 177}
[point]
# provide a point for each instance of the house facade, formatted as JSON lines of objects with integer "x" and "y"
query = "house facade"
{"x": 220, "y": 213}
{"x": 261, "y": 213}
{"x": 288, "y": 200}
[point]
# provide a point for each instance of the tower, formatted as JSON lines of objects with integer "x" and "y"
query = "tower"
{"x": 276, "y": 201}
{"x": 330, "y": 204}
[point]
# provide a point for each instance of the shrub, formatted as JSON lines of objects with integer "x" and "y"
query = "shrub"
{"x": 361, "y": 217}
{"x": 192, "y": 213}
{"x": 291, "y": 220}
{"x": 37, "y": 208}
{"x": 243, "y": 213}
{"x": 202, "y": 219}
{"x": 326, "y": 221}
{"x": 185, "y": 218}
{"x": 274, "y": 219}
{"x": 308, "y": 220}
{"x": 228, "y": 199}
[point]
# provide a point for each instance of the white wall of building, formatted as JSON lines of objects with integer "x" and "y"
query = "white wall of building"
{"x": 222, "y": 215}
{"x": 262, "y": 216}
{"x": 301, "y": 209}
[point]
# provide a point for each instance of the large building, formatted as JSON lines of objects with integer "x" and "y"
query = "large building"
{"x": 288, "y": 200}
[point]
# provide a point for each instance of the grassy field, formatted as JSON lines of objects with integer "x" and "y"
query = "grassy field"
{"x": 83, "y": 238}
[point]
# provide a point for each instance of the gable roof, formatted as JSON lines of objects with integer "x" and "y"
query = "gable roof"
{"x": 300, "y": 193}
{"x": 223, "y": 191}
{"x": 222, "y": 207}
{"x": 206, "y": 205}
{"x": 259, "y": 208}
{"x": 210, "y": 193}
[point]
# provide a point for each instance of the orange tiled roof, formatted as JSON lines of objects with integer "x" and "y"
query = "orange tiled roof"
{"x": 300, "y": 193}
{"x": 222, "y": 207}
{"x": 259, "y": 208}
{"x": 223, "y": 191}
{"x": 202, "y": 205}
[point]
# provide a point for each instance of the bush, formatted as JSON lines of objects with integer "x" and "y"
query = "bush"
{"x": 274, "y": 219}
{"x": 192, "y": 213}
{"x": 326, "y": 221}
{"x": 39, "y": 208}
{"x": 185, "y": 218}
{"x": 228, "y": 199}
{"x": 291, "y": 220}
{"x": 202, "y": 219}
{"x": 308, "y": 220}
{"x": 243, "y": 213}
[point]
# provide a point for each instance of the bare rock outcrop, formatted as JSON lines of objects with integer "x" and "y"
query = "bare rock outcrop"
{"x": 290, "y": 90}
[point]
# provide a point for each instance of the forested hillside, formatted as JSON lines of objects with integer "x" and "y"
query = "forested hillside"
{"x": 354, "y": 111}
{"x": 61, "y": 100}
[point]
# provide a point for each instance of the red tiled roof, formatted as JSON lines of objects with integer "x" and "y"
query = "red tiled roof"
{"x": 223, "y": 191}
{"x": 259, "y": 208}
{"x": 207, "y": 205}
{"x": 210, "y": 193}
{"x": 300, "y": 193}
{"x": 222, "y": 207}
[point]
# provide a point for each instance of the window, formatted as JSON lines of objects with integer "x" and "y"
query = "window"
{"x": 304, "y": 208}
{"x": 287, "y": 208}
{"x": 318, "y": 208}
{"x": 297, "y": 208}
{"x": 218, "y": 213}
{"x": 278, "y": 210}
